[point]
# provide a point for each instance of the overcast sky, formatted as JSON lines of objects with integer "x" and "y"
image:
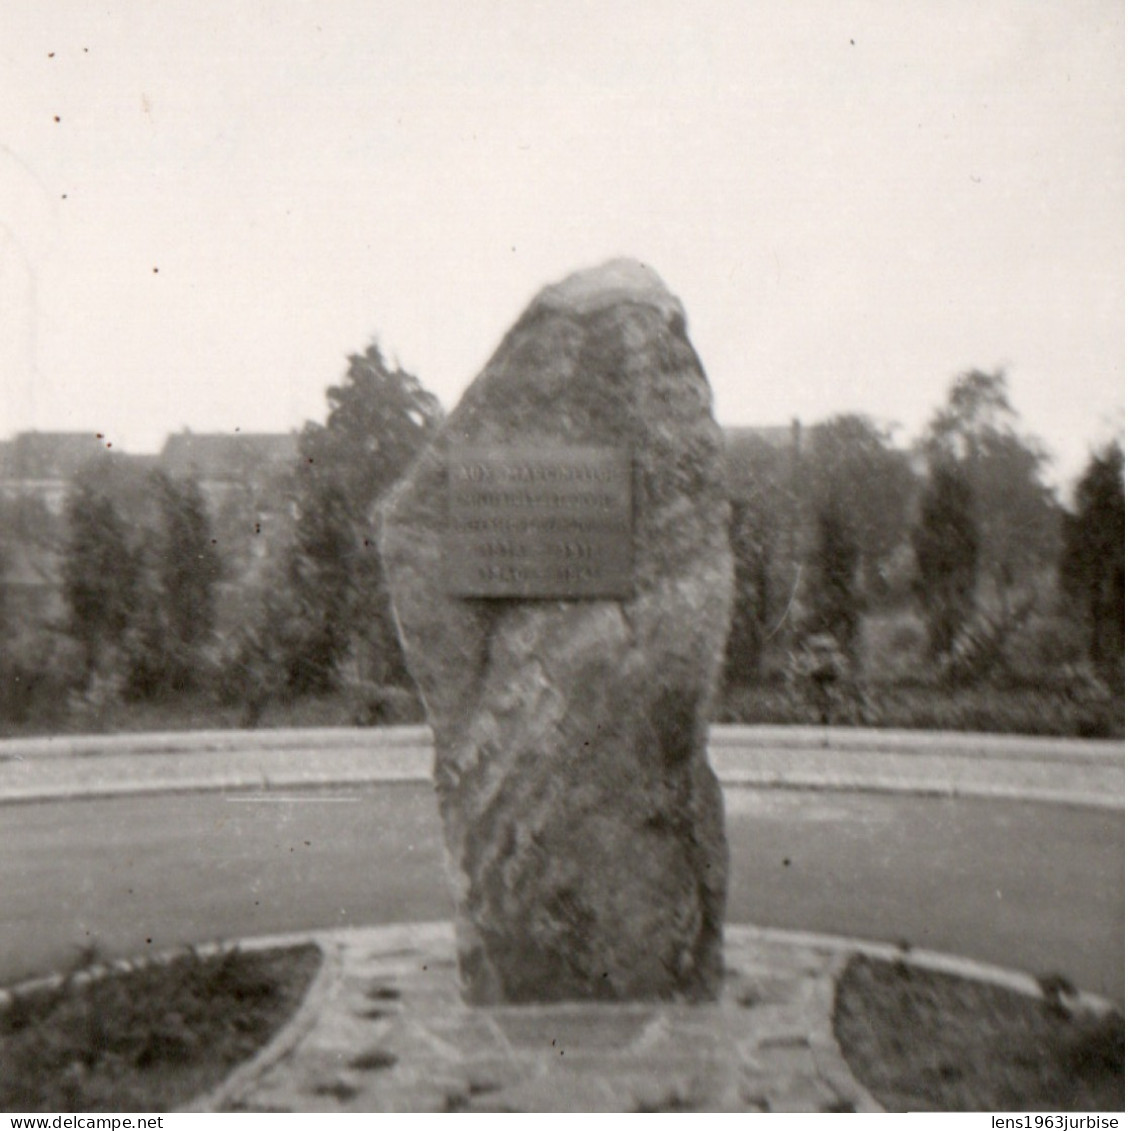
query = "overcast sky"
{"x": 205, "y": 206}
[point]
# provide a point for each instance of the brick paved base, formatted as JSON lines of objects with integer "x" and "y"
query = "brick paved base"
{"x": 385, "y": 1029}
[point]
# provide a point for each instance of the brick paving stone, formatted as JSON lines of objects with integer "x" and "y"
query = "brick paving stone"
{"x": 598, "y": 1027}
{"x": 806, "y": 1095}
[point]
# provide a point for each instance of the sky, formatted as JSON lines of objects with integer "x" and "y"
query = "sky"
{"x": 205, "y": 207}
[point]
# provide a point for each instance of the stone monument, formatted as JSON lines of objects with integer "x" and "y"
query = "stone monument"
{"x": 561, "y": 576}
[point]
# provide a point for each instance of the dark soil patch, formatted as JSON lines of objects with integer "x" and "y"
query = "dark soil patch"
{"x": 152, "y": 1039}
{"x": 926, "y": 1041}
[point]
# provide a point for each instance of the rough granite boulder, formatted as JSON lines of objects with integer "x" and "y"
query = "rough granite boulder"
{"x": 583, "y": 824}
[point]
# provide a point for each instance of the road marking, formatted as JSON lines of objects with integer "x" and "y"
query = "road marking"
{"x": 289, "y": 798}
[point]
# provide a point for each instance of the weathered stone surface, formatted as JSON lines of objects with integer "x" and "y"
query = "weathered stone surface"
{"x": 583, "y": 824}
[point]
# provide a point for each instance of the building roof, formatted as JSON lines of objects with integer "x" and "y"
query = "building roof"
{"x": 227, "y": 456}
{"x": 50, "y": 455}
{"x": 237, "y": 456}
{"x": 24, "y": 566}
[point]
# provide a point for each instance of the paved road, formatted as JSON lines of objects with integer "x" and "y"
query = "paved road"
{"x": 1023, "y": 884}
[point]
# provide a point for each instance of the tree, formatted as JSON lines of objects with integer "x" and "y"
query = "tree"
{"x": 31, "y": 541}
{"x": 763, "y": 514}
{"x": 379, "y": 420}
{"x": 835, "y": 602}
{"x": 100, "y": 574}
{"x": 946, "y": 543}
{"x": 11, "y": 544}
{"x": 321, "y": 576}
{"x": 1015, "y": 516}
{"x": 175, "y": 613}
{"x": 188, "y": 566}
{"x": 752, "y": 535}
{"x": 852, "y": 473}
{"x": 1092, "y": 562}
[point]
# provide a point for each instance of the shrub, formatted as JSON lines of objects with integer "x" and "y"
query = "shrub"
{"x": 1044, "y": 647}
{"x": 91, "y": 705}
{"x": 1085, "y": 710}
{"x": 835, "y": 600}
{"x": 38, "y": 670}
{"x": 820, "y": 677}
{"x": 892, "y": 646}
{"x": 372, "y": 704}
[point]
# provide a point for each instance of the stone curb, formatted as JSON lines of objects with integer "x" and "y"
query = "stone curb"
{"x": 824, "y": 1044}
{"x": 200, "y": 741}
{"x": 841, "y": 945}
{"x": 949, "y": 743}
{"x": 100, "y": 970}
{"x": 871, "y": 740}
{"x": 287, "y": 1038}
{"x": 921, "y": 763}
{"x": 840, "y": 783}
{"x": 248, "y": 784}
{"x": 938, "y": 961}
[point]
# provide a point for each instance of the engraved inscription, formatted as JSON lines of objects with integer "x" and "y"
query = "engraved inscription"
{"x": 538, "y": 522}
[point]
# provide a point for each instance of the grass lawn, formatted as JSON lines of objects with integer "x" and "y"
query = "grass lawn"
{"x": 152, "y": 1039}
{"x": 926, "y": 1041}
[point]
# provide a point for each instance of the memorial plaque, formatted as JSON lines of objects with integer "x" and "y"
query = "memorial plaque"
{"x": 538, "y": 522}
